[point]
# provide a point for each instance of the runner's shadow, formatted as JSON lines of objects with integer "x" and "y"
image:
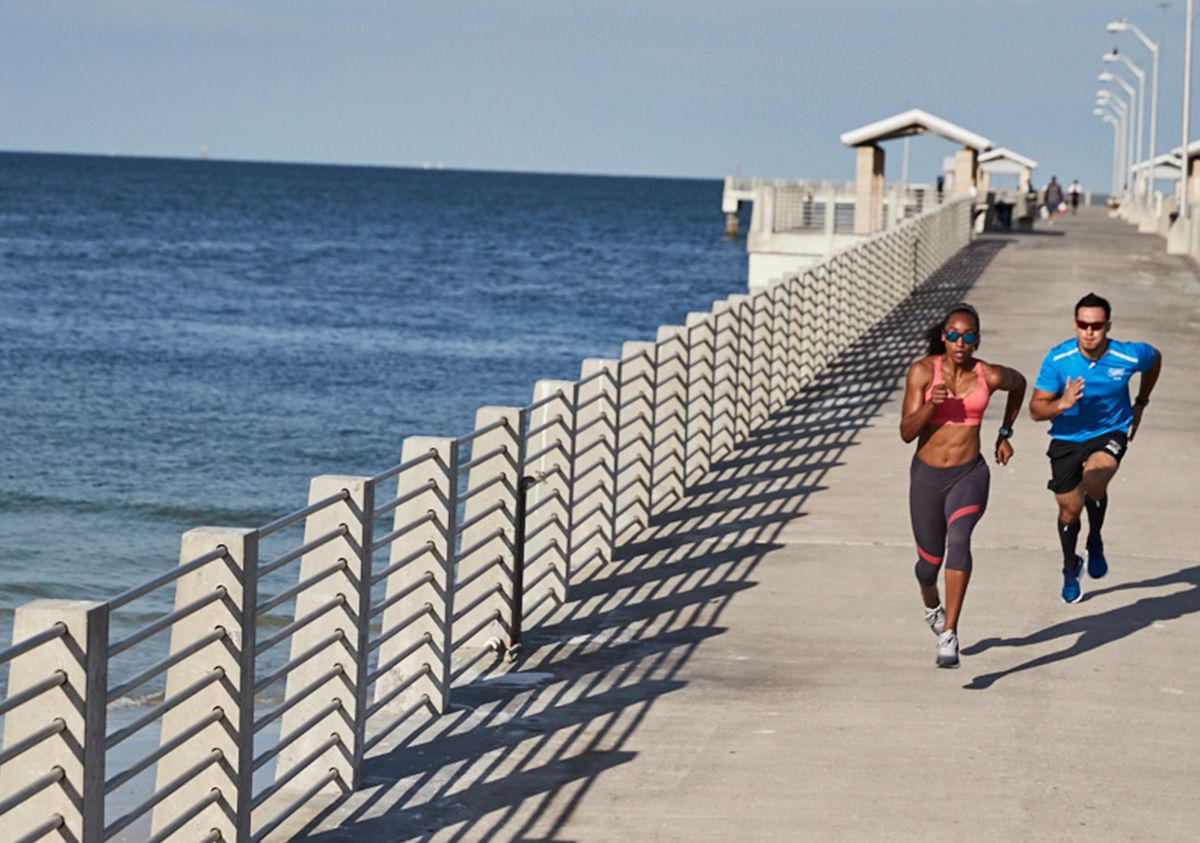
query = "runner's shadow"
{"x": 1100, "y": 629}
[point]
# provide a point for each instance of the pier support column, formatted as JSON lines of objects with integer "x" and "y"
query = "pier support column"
{"x": 966, "y": 161}
{"x": 731, "y": 225}
{"x": 868, "y": 193}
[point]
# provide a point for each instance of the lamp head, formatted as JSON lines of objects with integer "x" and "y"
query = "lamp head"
{"x": 1113, "y": 56}
{"x": 1106, "y": 77}
{"x": 1098, "y": 111}
{"x": 1117, "y": 26}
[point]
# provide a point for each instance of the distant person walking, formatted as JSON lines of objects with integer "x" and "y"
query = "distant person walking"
{"x": 1075, "y": 193}
{"x": 1054, "y": 197}
{"x": 1083, "y": 391}
{"x": 945, "y": 396}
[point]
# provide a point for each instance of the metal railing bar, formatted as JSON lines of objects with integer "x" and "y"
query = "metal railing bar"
{"x": 557, "y": 395}
{"x": 399, "y": 657}
{"x": 499, "y": 478}
{"x": 475, "y": 434}
{"x": 302, "y": 799}
{"x": 405, "y": 466}
{"x": 549, "y": 595}
{"x": 552, "y": 545}
{"x": 281, "y": 672}
{"x": 597, "y": 374}
{"x": 297, "y": 733}
{"x": 22, "y": 647}
{"x": 480, "y": 460}
{"x": 404, "y": 623}
{"x": 479, "y": 516}
{"x": 169, "y": 577}
{"x": 392, "y": 567}
{"x": 429, "y": 485}
{"x": 583, "y": 405}
{"x": 424, "y": 670}
{"x": 479, "y": 601}
{"x": 557, "y": 421}
{"x": 291, "y": 556}
{"x": 280, "y": 710}
{"x": 595, "y": 443}
{"x": 218, "y": 593}
{"x": 477, "y": 573}
{"x": 300, "y": 514}
{"x": 423, "y": 702}
{"x": 484, "y": 651}
{"x": 407, "y": 528}
{"x": 212, "y": 797}
{"x": 162, "y": 793}
{"x": 57, "y": 726}
{"x": 296, "y": 769}
{"x": 54, "y": 680}
{"x": 53, "y": 824}
{"x": 553, "y": 496}
{"x": 165, "y": 664}
{"x": 298, "y": 624}
{"x": 164, "y": 750}
{"x": 393, "y": 599}
{"x": 181, "y": 696}
{"x": 467, "y": 552}
{"x": 290, "y": 592}
{"x": 537, "y": 455}
{"x": 536, "y": 581}
{"x": 552, "y": 520}
{"x": 39, "y": 784}
{"x": 583, "y": 428}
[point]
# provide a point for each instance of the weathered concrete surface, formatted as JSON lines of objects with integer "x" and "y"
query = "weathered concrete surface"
{"x": 759, "y": 670}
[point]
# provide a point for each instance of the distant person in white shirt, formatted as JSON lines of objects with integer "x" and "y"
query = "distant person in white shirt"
{"x": 1075, "y": 192}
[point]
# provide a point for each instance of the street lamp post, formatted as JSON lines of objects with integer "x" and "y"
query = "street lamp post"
{"x": 1134, "y": 105}
{"x": 1125, "y": 115}
{"x": 1118, "y": 144}
{"x": 1121, "y": 26}
{"x": 1187, "y": 112}
{"x": 1141, "y": 99}
{"x": 1108, "y": 118}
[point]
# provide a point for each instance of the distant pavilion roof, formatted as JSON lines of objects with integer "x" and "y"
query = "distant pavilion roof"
{"x": 915, "y": 122}
{"x": 1005, "y": 161}
{"x": 1193, "y": 149}
{"x": 1166, "y": 166}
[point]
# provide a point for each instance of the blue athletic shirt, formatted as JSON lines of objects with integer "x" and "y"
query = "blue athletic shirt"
{"x": 1104, "y": 406}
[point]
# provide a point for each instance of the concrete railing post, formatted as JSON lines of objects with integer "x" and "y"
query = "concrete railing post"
{"x": 779, "y": 331}
{"x": 759, "y": 320}
{"x": 336, "y": 639}
{"x": 726, "y": 334}
{"x": 743, "y": 320}
{"x": 670, "y": 417}
{"x": 419, "y": 594}
{"x": 635, "y": 431}
{"x": 699, "y": 406}
{"x": 548, "y": 501}
{"x": 594, "y": 501}
{"x": 235, "y": 575}
{"x": 484, "y": 597}
{"x": 80, "y": 656}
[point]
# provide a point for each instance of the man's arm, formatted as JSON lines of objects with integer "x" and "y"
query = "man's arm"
{"x": 1145, "y": 387}
{"x": 1045, "y": 406}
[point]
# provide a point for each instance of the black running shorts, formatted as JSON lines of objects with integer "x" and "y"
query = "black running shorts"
{"x": 1067, "y": 458}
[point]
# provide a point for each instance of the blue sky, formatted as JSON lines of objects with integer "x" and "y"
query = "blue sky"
{"x": 654, "y": 87}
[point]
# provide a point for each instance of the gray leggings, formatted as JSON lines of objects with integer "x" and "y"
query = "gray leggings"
{"x": 945, "y": 505}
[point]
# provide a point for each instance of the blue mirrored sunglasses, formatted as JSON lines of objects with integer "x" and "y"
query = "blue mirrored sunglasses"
{"x": 969, "y": 337}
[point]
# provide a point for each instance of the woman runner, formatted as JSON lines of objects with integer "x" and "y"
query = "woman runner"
{"x": 944, "y": 400}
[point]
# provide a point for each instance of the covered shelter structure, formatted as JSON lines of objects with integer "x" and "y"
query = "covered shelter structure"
{"x": 1004, "y": 161}
{"x": 869, "y": 159}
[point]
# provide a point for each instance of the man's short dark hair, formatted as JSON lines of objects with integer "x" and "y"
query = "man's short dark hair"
{"x": 1093, "y": 300}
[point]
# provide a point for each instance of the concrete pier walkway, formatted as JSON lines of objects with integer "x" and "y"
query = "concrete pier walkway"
{"x": 757, "y": 668}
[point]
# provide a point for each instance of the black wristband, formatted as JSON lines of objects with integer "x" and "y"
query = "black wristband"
{"x": 1140, "y": 401}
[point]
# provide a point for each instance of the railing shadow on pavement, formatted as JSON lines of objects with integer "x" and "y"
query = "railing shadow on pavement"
{"x": 519, "y": 750}
{"x": 1093, "y": 631}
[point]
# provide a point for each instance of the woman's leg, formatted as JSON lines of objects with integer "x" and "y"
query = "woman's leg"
{"x": 965, "y": 505}
{"x": 925, "y": 506}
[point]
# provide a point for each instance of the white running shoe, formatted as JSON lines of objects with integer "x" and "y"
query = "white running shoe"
{"x": 936, "y": 618}
{"x": 947, "y": 654}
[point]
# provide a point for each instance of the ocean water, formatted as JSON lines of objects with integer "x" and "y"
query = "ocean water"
{"x": 188, "y": 342}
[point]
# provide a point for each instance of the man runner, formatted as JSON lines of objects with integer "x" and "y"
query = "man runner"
{"x": 1083, "y": 390}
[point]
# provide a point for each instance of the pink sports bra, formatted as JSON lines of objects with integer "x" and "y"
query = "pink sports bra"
{"x": 967, "y": 409}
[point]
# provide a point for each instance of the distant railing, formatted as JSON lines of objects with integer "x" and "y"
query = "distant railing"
{"x": 298, "y": 647}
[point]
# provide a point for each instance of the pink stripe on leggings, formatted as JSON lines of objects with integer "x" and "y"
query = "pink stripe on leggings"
{"x": 959, "y": 513}
{"x": 929, "y": 557}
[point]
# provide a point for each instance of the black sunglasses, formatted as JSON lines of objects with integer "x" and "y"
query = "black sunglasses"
{"x": 1095, "y": 326}
{"x": 969, "y": 337}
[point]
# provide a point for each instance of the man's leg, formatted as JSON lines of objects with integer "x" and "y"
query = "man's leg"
{"x": 1098, "y": 471}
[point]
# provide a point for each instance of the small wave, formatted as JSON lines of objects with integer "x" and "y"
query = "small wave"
{"x": 157, "y": 511}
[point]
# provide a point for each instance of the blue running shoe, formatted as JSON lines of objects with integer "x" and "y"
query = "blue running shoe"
{"x": 1071, "y": 592}
{"x": 1097, "y": 564}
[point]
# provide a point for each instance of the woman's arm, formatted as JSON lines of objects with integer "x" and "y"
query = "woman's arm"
{"x": 917, "y": 411}
{"x": 1012, "y": 382}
